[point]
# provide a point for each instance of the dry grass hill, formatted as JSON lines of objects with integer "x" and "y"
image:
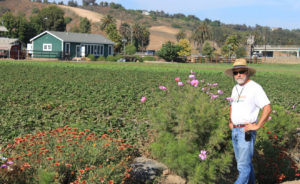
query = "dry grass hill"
{"x": 161, "y": 31}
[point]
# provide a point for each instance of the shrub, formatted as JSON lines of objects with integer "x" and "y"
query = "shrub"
{"x": 101, "y": 58}
{"x": 130, "y": 49}
{"x": 92, "y": 57}
{"x": 113, "y": 58}
{"x": 149, "y": 58}
{"x": 66, "y": 155}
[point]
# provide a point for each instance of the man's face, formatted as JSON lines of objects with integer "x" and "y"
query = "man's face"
{"x": 240, "y": 75}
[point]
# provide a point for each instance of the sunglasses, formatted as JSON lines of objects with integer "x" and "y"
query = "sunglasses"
{"x": 240, "y": 72}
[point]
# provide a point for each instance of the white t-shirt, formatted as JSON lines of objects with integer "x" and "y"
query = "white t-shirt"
{"x": 246, "y": 103}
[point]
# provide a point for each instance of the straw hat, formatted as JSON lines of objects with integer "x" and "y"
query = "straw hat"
{"x": 240, "y": 63}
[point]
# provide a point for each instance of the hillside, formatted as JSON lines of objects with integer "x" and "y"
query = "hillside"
{"x": 159, "y": 34}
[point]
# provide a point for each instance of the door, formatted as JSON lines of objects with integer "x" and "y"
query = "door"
{"x": 78, "y": 51}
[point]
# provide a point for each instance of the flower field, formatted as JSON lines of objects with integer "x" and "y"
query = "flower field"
{"x": 120, "y": 106}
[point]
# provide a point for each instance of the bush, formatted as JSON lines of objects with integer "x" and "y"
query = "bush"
{"x": 66, "y": 155}
{"x": 149, "y": 58}
{"x": 92, "y": 57}
{"x": 113, "y": 58}
{"x": 130, "y": 49}
{"x": 101, "y": 58}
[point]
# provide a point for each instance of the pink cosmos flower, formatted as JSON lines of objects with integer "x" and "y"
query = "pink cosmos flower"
{"x": 202, "y": 155}
{"x": 229, "y": 99}
{"x": 177, "y": 79}
{"x": 162, "y": 88}
{"x": 214, "y": 84}
{"x": 143, "y": 99}
{"x": 204, "y": 89}
{"x": 220, "y": 92}
{"x": 9, "y": 162}
{"x": 202, "y": 80}
{"x": 195, "y": 83}
{"x": 193, "y": 73}
{"x": 293, "y": 107}
{"x": 188, "y": 81}
{"x": 180, "y": 84}
{"x": 269, "y": 118}
{"x": 214, "y": 96}
{"x": 192, "y": 76}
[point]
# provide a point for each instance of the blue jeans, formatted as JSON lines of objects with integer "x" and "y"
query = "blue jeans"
{"x": 243, "y": 151}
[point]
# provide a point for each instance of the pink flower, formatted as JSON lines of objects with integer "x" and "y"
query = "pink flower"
{"x": 192, "y": 76}
{"x": 162, "y": 88}
{"x": 143, "y": 99}
{"x": 269, "y": 118}
{"x": 202, "y": 80}
{"x": 229, "y": 99}
{"x": 220, "y": 92}
{"x": 177, "y": 79}
{"x": 214, "y": 84}
{"x": 180, "y": 84}
{"x": 193, "y": 73}
{"x": 293, "y": 107}
{"x": 214, "y": 96}
{"x": 273, "y": 111}
{"x": 195, "y": 83}
{"x": 204, "y": 89}
{"x": 202, "y": 155}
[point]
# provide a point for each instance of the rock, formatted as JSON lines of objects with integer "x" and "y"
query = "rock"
{"x": 173, "y": 179}
{"x": 145, "y": 170}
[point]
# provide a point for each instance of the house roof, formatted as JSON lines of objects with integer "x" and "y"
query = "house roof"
{"x": 6, "y": 43}
{"x": 3, "y": 29}
{"x": 77, "y": 37}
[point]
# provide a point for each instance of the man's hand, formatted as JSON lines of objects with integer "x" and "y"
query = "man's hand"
{"x": 251, "y": 126}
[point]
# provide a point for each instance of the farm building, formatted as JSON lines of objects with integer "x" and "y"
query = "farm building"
{"x": 65, "y": 45}
{"x": 11, "y": 48}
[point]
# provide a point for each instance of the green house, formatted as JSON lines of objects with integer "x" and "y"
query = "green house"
{"x": 66, "y": 45}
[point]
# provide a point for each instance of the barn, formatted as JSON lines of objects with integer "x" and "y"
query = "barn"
{"x": 66, "y": 45}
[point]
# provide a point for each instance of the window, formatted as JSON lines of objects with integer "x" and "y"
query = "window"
{"x": 110, "y": 50}
{"x": 67, "y": 48}
{"x": 47, "y": 47}
{"x": 101, "y": 50}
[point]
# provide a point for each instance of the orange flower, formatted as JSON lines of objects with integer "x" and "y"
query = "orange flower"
{"x": 83, "y": 181}
{"x": 56, "y": 164}
{"x": 49, "y": 158}
{"x": 29, "y": 154}
{"x": 86, "y": 130}
{"x": 68, "y": 165}
{"x": 81, "y": 171}
{"x": 65, "y": 126}
{"x": 69, "y": 140}
{"x": 100, "y": 166}
{"x": 111, "y": 181}
{"x": 26, "y": 165}
{"x": 110, "y": 131}
{"x": 81, "y": 133}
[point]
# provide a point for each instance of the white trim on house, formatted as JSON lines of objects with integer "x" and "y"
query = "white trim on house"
{"x": 47, "y": 46}
{"x": 110, "y": 51}
{"x": 44, "y": 33}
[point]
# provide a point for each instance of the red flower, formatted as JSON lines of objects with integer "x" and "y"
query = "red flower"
{"x": 83, "y": 181}
{"x": 269, "y": 132}
{"x": 68, "y": 165}
{"x": 86, "y": 130}
{"x": 81, "y": 171}
{"x": 26, "y": 165}
{"x": 275, "y": 137}
{"x": 101, "y": 180}
{"x": 56, "y": 164}
{"x": 49, "y": 158}
{"x": 111, "y": 181}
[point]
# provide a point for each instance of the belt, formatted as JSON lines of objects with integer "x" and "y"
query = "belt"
{"x": 239, "y": 126}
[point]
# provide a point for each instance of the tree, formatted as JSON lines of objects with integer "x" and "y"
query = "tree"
{"x": 241, "y": 52}
{"x": 50, "y": 18}
{"x": 88, "y": 2}
{"x": 113, "y": 34}
{"x": 84, "y": 25}
{"x": 186, "y": 48}
{"x": 72, "y": 3}
{"x": 233, "y": 43}
{"x": 200, "y": 34}
{"x": 208, "y": 50}
{"x": 180, "y": 35}
{"x": 169, "y": 51}
{"x": 126, "y": 32}
{"x": 106, "y": 20}
{"x": 130, "y": 49}
{"x": 141, "y": 36}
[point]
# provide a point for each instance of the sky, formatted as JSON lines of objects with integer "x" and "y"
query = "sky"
{"x": 271, "y": 13}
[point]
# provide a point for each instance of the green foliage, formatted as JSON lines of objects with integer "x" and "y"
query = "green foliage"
{"x": 68, "y": 20}
{"x": 130, "y": 49}
{"x": 188, "y": 121}
{"x": 141, "y": 36}
{"x": 35, "y": 10}
{"x": 107, "y": 20}
{"x": 149, "y": 58}
{"x": 231, "y": 46}
{"x": 273, "y": 164}
{"x": 113, "y": 58}
{"x": 180, "y": 35}
{"x": 113, "y": 34}
{"x": 91, "y": 57}
{"x": 101, "y": 58}
{"x": 169, "y": 51}
{"x": 201, "y": 34}
{"x": 177, "y": 26}
{"x": 207, "y": 50}
{"x": 46, "y": 177}
{"x": 84, "y": 25}
{"x": 241, "y": 52}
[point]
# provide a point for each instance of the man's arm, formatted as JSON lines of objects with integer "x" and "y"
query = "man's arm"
{"x": 230, "y": 122}
{"x": 263, "y": 118}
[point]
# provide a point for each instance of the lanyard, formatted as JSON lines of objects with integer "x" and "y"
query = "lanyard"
{"x": 239, "y": 94}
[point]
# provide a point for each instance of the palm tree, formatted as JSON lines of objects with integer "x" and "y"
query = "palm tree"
{"x": 201, "y": 34}
{"x": 180, "y": 35}
{"x": 106, "y": 20}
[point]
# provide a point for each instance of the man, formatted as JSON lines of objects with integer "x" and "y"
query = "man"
{"x": 248, "y": 98}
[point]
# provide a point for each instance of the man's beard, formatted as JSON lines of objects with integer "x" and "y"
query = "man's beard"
{"x": 241, "y": 80}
